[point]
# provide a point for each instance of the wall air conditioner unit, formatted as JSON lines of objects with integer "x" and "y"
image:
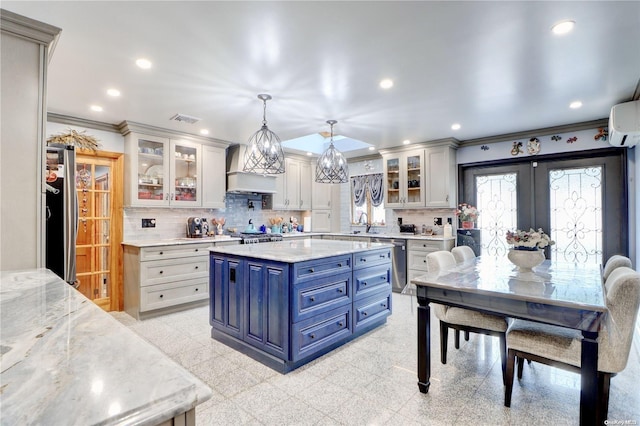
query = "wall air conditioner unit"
{"x": 624, "y": 124}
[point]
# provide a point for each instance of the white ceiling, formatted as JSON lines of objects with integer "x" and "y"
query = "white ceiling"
{"x": 493, "y": 67}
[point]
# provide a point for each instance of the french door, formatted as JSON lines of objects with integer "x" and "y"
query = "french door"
{"x": 580, "y": 202}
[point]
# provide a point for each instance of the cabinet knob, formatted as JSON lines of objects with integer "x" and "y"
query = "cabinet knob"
{"x": 313, "y": 336}
{"x": 362, "y": 259}
{"x": 312, "y": 299}
{"x": 364, "y": 283}
{"x": 341, "y": 324}
{"x": 161, "y": 272}
{"x": 196, "y": 267}
{"x": 161, "y": 253}
{"x": 424, "y": 261}
{"x": 196, "y": 288}
{"x": 161, "y": 296}
{"x": 364, "y": 313}
{"x": 196, "y": 249}
{"x": 383, "y": 305}
{"x": 340, "y": 290}
{"x": 340, "y": 265}
{"x": 382, "y": 277}
{"x": 311, "y": 270}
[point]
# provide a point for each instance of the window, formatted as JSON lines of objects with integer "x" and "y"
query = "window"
{"x": 367, "y": 204}
{"x": 375, "y": 214}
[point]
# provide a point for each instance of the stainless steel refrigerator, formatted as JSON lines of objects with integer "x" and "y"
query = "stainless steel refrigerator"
{"x": 61, "y": 212}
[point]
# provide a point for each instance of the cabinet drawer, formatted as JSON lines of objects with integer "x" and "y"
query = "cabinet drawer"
{"x": 161, "y": 271}
{"x": 371, "y": 280}
{"x": 318, "y": 332}
{"x": 314, "y": 269}
{"x": 371, "y": 309}
{"x": 172, "y": 251}
{"x": 314, "y": 297}
{"x": 417, "y": 261}
{"x": 371, "y": 258}
{"x": 426, "y": 246}
{"x": 176, "y": 293}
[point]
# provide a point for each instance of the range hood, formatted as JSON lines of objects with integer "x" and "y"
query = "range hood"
{"x": 242, "y": 182}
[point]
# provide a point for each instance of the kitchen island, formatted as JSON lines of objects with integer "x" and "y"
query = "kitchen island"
{"x": 286, "y": 303}
{"x": 66, "y": 361}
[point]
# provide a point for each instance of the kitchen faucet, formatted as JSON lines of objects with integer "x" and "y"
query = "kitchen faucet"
{"x": 365, "y": 223}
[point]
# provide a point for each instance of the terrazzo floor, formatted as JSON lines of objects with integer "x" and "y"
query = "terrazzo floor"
{"x": 372, "y": 380}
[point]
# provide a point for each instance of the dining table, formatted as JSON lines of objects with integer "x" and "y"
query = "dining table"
{"x": 569, "y": 295}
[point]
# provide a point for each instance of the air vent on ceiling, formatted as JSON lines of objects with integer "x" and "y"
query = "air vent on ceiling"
{"x": 185, "y": 118}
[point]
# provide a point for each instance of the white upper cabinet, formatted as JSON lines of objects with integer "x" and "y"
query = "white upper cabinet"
{"x": 293, "y": 187}
{"x": 404, "y": 183}
{"x": 168, "y": 172}
{"x": 441, "y": 182}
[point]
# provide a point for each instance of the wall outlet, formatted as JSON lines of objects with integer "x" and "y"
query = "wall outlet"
{"x": 148, "y": 223}
{"x": 450, "y": 220}
{"x": 437, "y": 221}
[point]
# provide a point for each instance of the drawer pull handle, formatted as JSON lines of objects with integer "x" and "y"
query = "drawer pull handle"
{"x": 340, "y": 265}
{"x": 364, "y": 313}
{"x": 196, "y": 249}
{"x": 424, "y": 261}
{"x": 362, "y": 259}
{"x": 161, "y": 272}
{"x": 161, "y": 296}
{"x": 313, "y": 299}
{"x": 313, "y": 336}
{"x": 196, "y": 288}
{"x": 364, "y": 283}
{"x": 340, "y": 290}
{"x": 341, "y": 324}
{"x": 161, "y": 253}
{"x": 382, "y": 277}
{"x": 197, "y": 267}
{"x": 383, "y": 256}
{"x": 311, "y": 270}
{"x": 383, "y": 305}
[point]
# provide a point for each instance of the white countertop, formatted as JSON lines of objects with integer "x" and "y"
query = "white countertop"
{"x": 66, "y": 361}
{"x": 294, "y": 251}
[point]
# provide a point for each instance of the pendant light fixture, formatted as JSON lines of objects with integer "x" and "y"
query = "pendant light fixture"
{"x": 332, "y": 166}
{"x": 264, "y": 155}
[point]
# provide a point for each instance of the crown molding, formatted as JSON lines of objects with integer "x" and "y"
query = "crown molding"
{"x": 28, "y": 28}
{"x": 127, "y": 127}
{"x": 81, "y": 122}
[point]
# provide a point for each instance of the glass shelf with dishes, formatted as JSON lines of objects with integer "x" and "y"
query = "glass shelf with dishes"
{"x": 186, "y": 173}
{"x": 403, "y": 183}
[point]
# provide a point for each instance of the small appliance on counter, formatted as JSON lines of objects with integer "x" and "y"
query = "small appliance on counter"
{"x": 408, "y": 229}
{"x": 194, "y": 227}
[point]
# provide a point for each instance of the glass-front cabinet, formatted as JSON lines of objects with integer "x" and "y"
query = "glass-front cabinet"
{"x": 404, "y": 179}
{"x": 162, "y": 172}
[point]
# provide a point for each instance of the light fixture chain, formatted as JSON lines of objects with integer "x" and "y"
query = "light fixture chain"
{"x": 264, "y": 112}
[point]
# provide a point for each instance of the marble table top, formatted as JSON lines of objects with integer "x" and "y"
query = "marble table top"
{"x": 66, "y": 361}
{"x": 294, "y": 251}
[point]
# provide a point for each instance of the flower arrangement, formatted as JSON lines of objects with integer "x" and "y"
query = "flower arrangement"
{"x": 531, "y": 239}
{"x": 467, "y": 213}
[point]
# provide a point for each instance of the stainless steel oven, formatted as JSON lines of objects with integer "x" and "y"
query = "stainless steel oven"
{"x": 399, "y": 261}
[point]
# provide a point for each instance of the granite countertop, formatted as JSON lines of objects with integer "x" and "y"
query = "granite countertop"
{"x": 66, "y": 361}
{"x": 299, "y": 250}
{"x": 178, "y": 241}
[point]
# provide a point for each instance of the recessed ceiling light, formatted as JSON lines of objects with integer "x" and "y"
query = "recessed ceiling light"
{"x": 387, "y": 83}
{"x": 563, "y": 27}
{"x": 455, "y": 126}
{"x": 96, "y": 108}
{"x": 406, "y": 142}
{"x": 309, "y": 154}
{"x": 372, "y": 148}
{"x": 145, "y": 64}
{"x": 204, "y": 132}
{"x": 113, "y": 92}
{"x": 575, "y": 104}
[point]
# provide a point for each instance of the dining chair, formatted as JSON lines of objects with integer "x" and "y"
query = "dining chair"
{"x": 561, "y": 347}
{"x": 466, "y": 320}
{"x": 615, "y": 261}
{"x": 463, "y": 253}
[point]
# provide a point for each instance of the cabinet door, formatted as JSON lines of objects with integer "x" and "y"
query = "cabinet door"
{"x": 186, "y": 174}
{"x": 267, "y": 307}
{"x": 305, "y": 186}
{"x": 213, "y": 177}
{"x": 414, "y": 179}
{"x": 393, "y": 185}
{"x": 292, "y": 190}
{"x": 146, "y": 171}
{"x": 226, "y": 293}
{"x": 320, "y": 221}
{"x": 280, "y": 196}
{"x": 441, "y": 177}
{"x": 404, "y": 186}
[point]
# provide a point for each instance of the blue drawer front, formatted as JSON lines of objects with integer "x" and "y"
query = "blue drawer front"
{"x": 314, "y": 269}
{"x": 371, "y": 310}
{"x": 371, "y": 258}
{"x": 314, "y": 334}
{"x": 371, "y": 280}
{"x": 318, "y": 296}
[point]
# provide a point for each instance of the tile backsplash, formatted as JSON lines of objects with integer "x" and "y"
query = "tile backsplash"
{"x": 172, "y": 222}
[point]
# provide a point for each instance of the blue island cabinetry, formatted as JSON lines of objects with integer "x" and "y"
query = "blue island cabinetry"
{"x": 285, "y": 314}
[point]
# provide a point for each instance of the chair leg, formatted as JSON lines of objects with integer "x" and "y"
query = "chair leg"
{"x": 466, "y": 335}
{"x": 457, "y": 339}
{"x": 503, "y": 356}
{"x": 604, "y": 381}
{"x": 520, "y": 367}
{"x": 508, "y": 378}
{"x": 444, "y": 337}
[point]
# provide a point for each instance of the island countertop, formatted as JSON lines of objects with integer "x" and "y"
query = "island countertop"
{"x": 294, "y": 251}
{"x": 65, "y": 361}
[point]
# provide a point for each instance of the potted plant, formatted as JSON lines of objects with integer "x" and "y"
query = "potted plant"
{"x": 467, "y": 214}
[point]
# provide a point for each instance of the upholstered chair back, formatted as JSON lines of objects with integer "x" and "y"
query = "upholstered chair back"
{"x": 440, "y": 260}
{"x": 463, "y": 253}
{"x": 615, "y": 261}
{"x": 623, "y": 299}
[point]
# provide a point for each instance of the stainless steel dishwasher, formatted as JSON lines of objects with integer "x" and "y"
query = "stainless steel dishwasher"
{"x": 399, "y": 261}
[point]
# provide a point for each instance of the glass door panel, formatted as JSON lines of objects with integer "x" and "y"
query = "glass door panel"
{"x": 393, "y": 181}
{"x": 497, "y": 201}
{"x": 414, "y": 181}
{"x": 150, "y": 170}
{"x": 186, "y": 179}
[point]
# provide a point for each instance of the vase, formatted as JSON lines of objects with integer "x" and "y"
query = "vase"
{"x": 467, "y": 224}
{"x": 526, "y": 259}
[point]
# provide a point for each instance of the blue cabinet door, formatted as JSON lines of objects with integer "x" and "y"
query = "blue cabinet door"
{"x": 225, "y": 291}
{"x": 267, "y": 307}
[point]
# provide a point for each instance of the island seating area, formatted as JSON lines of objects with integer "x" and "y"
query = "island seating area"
{"x": 286, "y": 303}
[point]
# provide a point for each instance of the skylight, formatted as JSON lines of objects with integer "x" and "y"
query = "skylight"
{"x": 317, "y": 143}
